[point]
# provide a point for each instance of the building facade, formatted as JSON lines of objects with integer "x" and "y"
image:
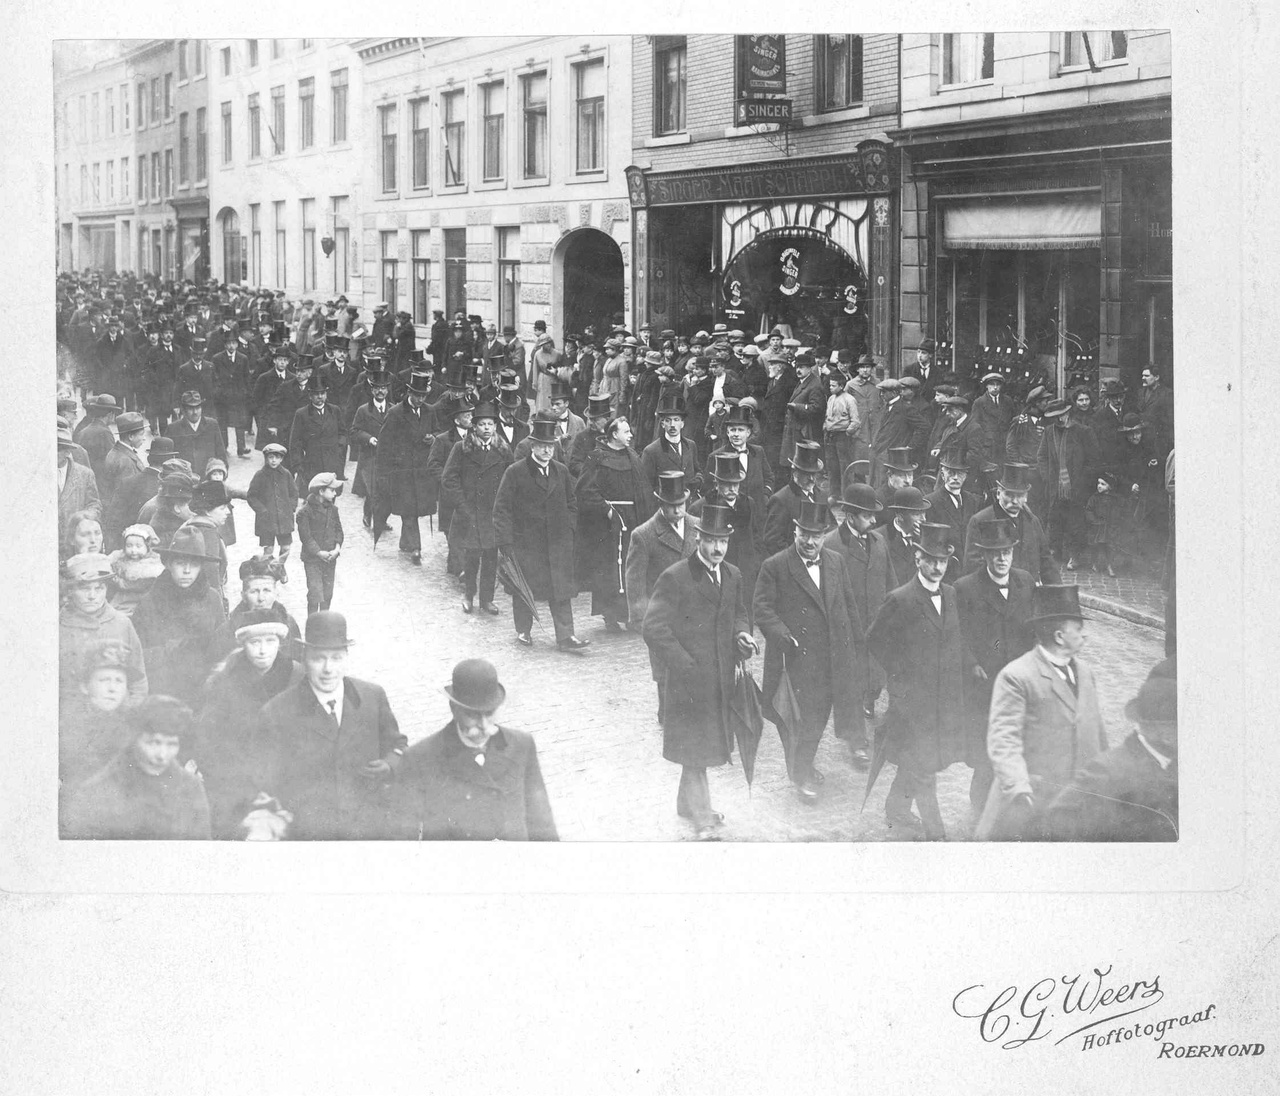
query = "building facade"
{"x": 494, "y": 176}
{"x": 153, "y": 66}
{"x": 93, "y": 158}
{"x": 1036, "y": 194}
{"x": 190, "y": 197}
{"x": 284, "y": 164}
{"x": 762, "y": 185}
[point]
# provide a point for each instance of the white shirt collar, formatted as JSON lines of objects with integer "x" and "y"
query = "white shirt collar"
{"x": 324, "y": 698}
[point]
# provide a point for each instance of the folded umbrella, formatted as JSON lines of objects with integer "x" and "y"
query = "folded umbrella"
{"x": 784, "y": 713}
{"x": 746, "y": 720}
{"x": 513, "y": 581}
{"x": 878, "y": 752}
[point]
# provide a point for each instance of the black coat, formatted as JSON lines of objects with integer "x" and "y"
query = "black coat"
{"x": 471, "y": 477}
{"x": 274, "y": 497}
{"x": 231, "y": 381}
{"x": 746, "y": 546}
{"x": 659, "y": 457}
{"x": 442, "y": 794}
{"x": 1031, "y": 554}
{"x": 609, "y": 475}
{"x": 943, "y": 510}
{"x": 1121, "y": 795}
{"x": 759, "y": 481}
{"x": 534, "y": 518}
{"x": 366, "y": 425}
{"x": 275, "y": 400}
{"x": 177, "y": 628}
{"x": 401, "y": 480}
{"x": 200, "y": 444}
{"x": 780, "y": 518}
{"x": 317, "y": 443}
{"x": 123, "y": 803}
{"x": 194, "y": 377}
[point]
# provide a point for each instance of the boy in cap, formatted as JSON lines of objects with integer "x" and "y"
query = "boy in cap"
{"x": 87, "y": 619}
{"x": 91, "y": 729}
{"x": 143, "y": 793}
{"x": 273, "y": 495}
{"x": 320, "y": 532}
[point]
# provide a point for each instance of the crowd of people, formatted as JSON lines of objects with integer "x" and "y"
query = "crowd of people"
{"x": 721, "y": 496}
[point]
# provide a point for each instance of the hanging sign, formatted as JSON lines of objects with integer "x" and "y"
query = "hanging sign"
{"x": 755, "y": 112}
{"x": 762, "y": 65}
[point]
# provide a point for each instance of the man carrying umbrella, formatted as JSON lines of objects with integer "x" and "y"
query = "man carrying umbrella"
{"x": 805, "y": 606}
{"x": 696, "y": 628}
{"x": 916, "y": 638}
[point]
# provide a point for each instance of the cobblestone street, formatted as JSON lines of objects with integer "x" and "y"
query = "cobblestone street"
{"x": 594, "y": 714}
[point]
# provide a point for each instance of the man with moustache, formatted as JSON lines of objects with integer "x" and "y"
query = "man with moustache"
{"x": 784, "y": 504}
{"x": 671, "y": 451}
{"x": 899, "y": 428}
{"x": 907, "y": 509}
{"x": 365, "y": 428}
{"x": 899, "y": 470}
{"x": 1032, "y": 551}
{"x": 746, "y": 549}
{"x": 758, "y": 479}
{"x": 950, "y": 504}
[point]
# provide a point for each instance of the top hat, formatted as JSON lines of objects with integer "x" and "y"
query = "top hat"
{"x": 161, "y": 450}
{"x": 1055, "y": 409}
{"x": 671, "y": 488}
{"x": 934, "y": 539}
{"x": 129, "y": 422}
{"x": 542, "y": 428}
{"x": 861, "y": 496}
{"x": 899, "y": 459}
{"x": 727, "y": 468}
{"x": 475, "y": 686}
{"x": 486, "y": 410}
{"x": 1015, "y": 477}
{"x": 1055, "y": 603}
{"x": 378, "y": 377}
{"x": 1156, "y": 702}
{"x": 908, "y": 498}
{"x": 457, "y": 376}
{"x": 953, "y": 457}
{"x": 209, "y": 493}
{"x": 1132, "y": 423}
{"x": 334, "y": 341}
{"x": 671, "y": 403}
{"x": 326, "y": 629}
{"x": 87, "y": 567}
{"x": 738, "y": 415}
{"x": 560, "y": 390}
{"x": 715, "y": 520}
{"x": 599, "y": 407}
{"x": 419, "y": 382}
{"x": 103, "y": 401}
{"x": 417, "y": 357}
{"x": 806, "y": 457}
{"x": 510, "y": 398}
{"x": 995, "y": 533}
{"x": 188, "y": 544}
{"x": 814, "y": 517}
{"x": 317, "y": 385}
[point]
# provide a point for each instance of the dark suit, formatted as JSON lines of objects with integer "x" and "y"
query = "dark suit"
{"x": 275, "y": 399}
{"x": 654, "y": 547}
{"x": 943, "y": 510}
{"x": 402, "y": 481}
{"x": 200, "y": 444}
{"x": 759, "y": 481}
{"x": 317, "y": 443}
{"x": 1124, "y": 794}
{"x": 1032, "y": 552}
{"x": 872, "y": 576}
{"x": 969, "y": 439}
{"x": 900, "y": 427}
{"x": 658, "y": 456}
{"x": 442, "y": 794}
{"x": 780, "y": 515}
{"x": 746, "y": 545}
{"x": 902, "y": 555}
{"x": 828, "y": 670}
{"x": 194, "y": 377}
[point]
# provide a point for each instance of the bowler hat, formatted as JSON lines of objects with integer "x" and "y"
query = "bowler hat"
{"x": 715, "y": 520}
{"x": 671, "y": 488}
{"x": 1156, "y": 702}
{"x": 475, "y": 686}
{"x": 192, "y": 398}
{"x": 327, "y": 630}
{"x": 208, "y": 494}
{"x": 87, "y": 567}
{"x": 188, "y": 544}
{"x": 129, "y": 422}
{"x": 1015, "y": 477}
{"x": 934, "y": 539}
{"x": 507, "y": 331}
{"x": 1055, "y": 603}
{"x": 814, "y": 517}
{"x": 995, "y": 533}
{"x": 727, "y": 468}
{"x": 861, "y": 496}
{"x": 953, "y": 457}
{"x": 928, "y": 345}
{"x": 671, "y": 403}
{"x": 542, "y": 428}
{"x": 806, "y": 458}
{"x": 103, "y": 401}
{"x": 598, "y": 407}
{"x": 908, "y": 498}
{"x": 899, "y": 459}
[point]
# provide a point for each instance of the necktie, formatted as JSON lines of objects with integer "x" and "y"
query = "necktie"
{"x": 715, "y": 577}
{"x": 1072, "y": 680}
{"x": 333, "y": 710}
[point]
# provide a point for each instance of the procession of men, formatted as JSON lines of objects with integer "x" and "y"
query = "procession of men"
{"x": 815, "y": 557}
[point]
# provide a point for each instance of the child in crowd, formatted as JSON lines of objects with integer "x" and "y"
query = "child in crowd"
{"x": 91, "y": 726}
{"x": 134, "y": 567}
{"x": 274, "y": 498}
{"x": 210, "y": 507}
{"x": 216, "y": 471}
{"x": 82, "y": 534}
{"x": 258, "y": 593}
{"x": 86, "y": 620}
{"x": 1102, "y": 516}
{"x": 320, "y": 531}
{"x": 171, "y": 510}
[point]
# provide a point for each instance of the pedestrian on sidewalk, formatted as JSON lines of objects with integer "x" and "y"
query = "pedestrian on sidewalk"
{"x": 1102, "y": 517}
{"x": 320, "y": 533}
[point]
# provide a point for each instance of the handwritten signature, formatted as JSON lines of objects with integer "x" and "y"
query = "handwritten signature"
{"x": 1036, "y": 1013}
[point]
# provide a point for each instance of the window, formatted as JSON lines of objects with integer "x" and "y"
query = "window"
{"x": 387, "y": 147}
{"x": 182, "y": 59}
{"x": 226, "y": 60}
{"x": 839, "y": 58}
{"x": 226, "y": 133}
{"x": 142, "y": 107}
{"x": 455, "y": 139}
{"x": 125, "y": 166}
{"x": 494, "y": 98}
{"x": 253, "y": 53}
{"x": 341, "y": 245}
{"x": 184, "y": 153}
{"x": 421, "y": 119}
{"x": 533, "y": 94}
{"x": 668, "y": 84}
{"x": 968, "y": 58}
{"x": 277, "y": 119}
{"x": 588, "y": 92}
{"x": 308, "y": 243}
{"x": 390, "y": 288}
{"x": 282, "y": 265}
{"x": 255, "y": 128}
{"x": 233, "y": 264}
{"x": 124, "y": 107}
{"x": 255, "y": 243}
{"x": 82, "y": 119}
{"x": 168, "y": 173}
{"x": 306, "y": 112}
{"x": 197, "y": 56}
{"x": 111, "y": 180}
{"x": 95, "y": 116}
{"x": 277, "y": 48}
{"x": 84, "y": 184}
{"x": 170, "y": 252}
{"x": 97, "y": 183}
{"x": 202, "y": 144}
{"x": 142, "y": 178}
{"x": 109, "y": 97}
{"x": 338, "y": 106}
{"x": 142, "y": 249}
{"x": 168, "y": 96}
{"x": 421, "y": 276}
{"x": 155, "y": 100}
{"x": 508, "y": 277}
{"x": 155, "y": 176}
{"x": 1105, "y": 45}
{"x": 455, "y": 270}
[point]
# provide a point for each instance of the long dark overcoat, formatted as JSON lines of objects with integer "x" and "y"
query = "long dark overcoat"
{"x": 690, "y": 627}
{"x": 317, "y": 443}
{"x": 654, "y": 547}
{"x": 401, "y": 478}
{"x": 1031, "y": 554}
{"x": 658, "y": 457}
{"x": 746, "y": 546}
{"x": 534, "y": 518}
{"x": 922, "y": 654}
{"x": 759, "y": 481}
{"x": 471, "y": 476}
{"x": 177, "y": 630}
{"x": 274, "y": 497}
{"x": 602, "y": 542}
{"x": 872, "y": 577}
{"x": 200, "y": 444}
{"x": 273, "y": 403}
{"x": 366, "y": 425}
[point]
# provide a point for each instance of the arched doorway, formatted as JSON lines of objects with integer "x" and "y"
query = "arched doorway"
{"x": 234, "y": 264}
{"x": 589, "y": 282}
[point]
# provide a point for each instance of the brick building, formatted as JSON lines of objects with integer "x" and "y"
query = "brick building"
{"x": 762, "y": 184}
{"x": 1036, "y": 194}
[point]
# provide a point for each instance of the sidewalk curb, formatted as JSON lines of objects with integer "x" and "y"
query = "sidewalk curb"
{"x": 1127, "y": 612}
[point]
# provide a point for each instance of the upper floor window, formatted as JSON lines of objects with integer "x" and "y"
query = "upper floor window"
{"x": 534, "y": 96}
{"x": 588, "y": 92}
{"x": 307, "y": 43}
{"x": 277, "y": 48}
{"x": 182, "y": 59}
{"x": 226, "y": 60}
{"x": 255, "y": 127}
{"x": 306, "y": 112}
{"x": 387, "y": 128}
{"x": 493, "y": 98}
{"x": 168, "y": 96}
{"x": 668, "y": 84}
{"x": 253, "y": 53}
{"x": 124, "y": 107}
{"x": 95, "y": 116}
{"x": 968, "y": 58}
{"x": 277, "y": 120}
{"x": 1104, "y": 45}
{"x": 338, "y": 106}
{"x": 455, "y": 138}
{"x": 839, "y": 58}
{"x": 142, "y": 106}
{"x": 421, "y": 119}
{"x": 197, "y": 56}
{"x": 109, "y": 97}
{"x": 155, "y": 100}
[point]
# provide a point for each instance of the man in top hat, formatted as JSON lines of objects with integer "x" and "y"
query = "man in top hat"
{"x": 159, "y": 375}
{"x": 993, "y": 414}
{"x": 474, "y": 779}
{"x": 198, "y": 438}
{"x": 1065, "y": 465}
{"x": 513, "y": 412}
{"x": 899, "y": 470}
{"x": 454, "y": 413}
{"x": 1130, "y": 792}
{"x": 697, "y": 630}
{"x": 535, "y": 514}
{"x": 746, "y": 544}
{"x": 758, "y": 474}
{"x": 671, "y": 451}
{"x": 195, "y": 374}
{"x": 995, "y": 613}
{"x": 568, "y": 425}
{"x": 599, "y": 411}
{"x": 334, "y": 743}
{"x": 916, "y": 638}
{"x": 112, "y": 353}
{"x": 1044, "y": 723}
{"x": 317, "y": 437}
{"x": 1031, "y": 553}
{"x": 273, "y": 402}
{"x": 644, "y": 398}
{"x": 366, "y": 425}
{"x": 805, "y": 606}
{"x": 906, "y": 509}
{"x": 784, "y": 504}
{"x": 1022, "y": 445}
{"x": 341, "y": 376}
{"x": 93, "y": 432}
{"x": 950, "y": 503}
{"x": 806, "y": 406}
{"x": 964, "y": 437}
{"x": 472, "y": 472}
{"x": 402, "y": 478}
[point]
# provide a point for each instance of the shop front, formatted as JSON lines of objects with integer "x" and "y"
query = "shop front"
{"x": 805, "y": 244}
{"x": 192, "y": 237}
